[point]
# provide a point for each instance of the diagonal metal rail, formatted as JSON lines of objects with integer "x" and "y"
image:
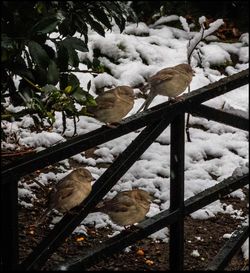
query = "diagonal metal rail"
{"x": 157, "y": 222}
{"x": 100, "y": 188}
{"x": 227, "y": 252}
{"x": 81, "y": 143}
{"x": 154, "y": 118}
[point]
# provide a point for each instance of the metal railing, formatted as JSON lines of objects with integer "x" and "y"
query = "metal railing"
{"x": 155, "y": 120}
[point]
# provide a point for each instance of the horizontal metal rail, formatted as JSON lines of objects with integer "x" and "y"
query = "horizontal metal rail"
{"x": 100, "y": 188}
{"x": 161, "y": 220}
{"x": 156, "y": 119}
{"x": 229, "y": 249}
{"x": 81, "y": 143}
{"x": 214, "y": 193}
{"x": 210, "y": 113}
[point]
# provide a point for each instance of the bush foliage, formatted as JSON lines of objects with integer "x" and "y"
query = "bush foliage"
{"x": 44, "y": 62}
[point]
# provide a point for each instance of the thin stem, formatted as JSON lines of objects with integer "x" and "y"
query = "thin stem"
{"x": 32, "y": 84}
{"x": 187, "y": 123}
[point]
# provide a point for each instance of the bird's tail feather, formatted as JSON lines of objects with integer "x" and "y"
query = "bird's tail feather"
{"x": 42, "y": 217}
{"x": 147, "y": 102}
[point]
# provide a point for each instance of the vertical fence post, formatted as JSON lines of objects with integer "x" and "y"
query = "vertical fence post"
{"x": 176, "y": 241}
{"x": 9, "y": 226}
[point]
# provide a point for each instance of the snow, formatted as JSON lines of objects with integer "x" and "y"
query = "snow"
{"x": 227, "y": 235}
{"x": 245, "y": 249}
{"x": 203, "y": 33}
{"x": 166, "y": 19}
{"x": 244, "y": 38}
{"x": 195, "y": 253}
{"x": 137, "y": 29}
{"x": 214, "y": 55}
{"x": 216, "y": 150}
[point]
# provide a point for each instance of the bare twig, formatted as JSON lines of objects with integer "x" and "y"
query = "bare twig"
{"x": 190, "y": 54}
{"x": 187, "y": 123}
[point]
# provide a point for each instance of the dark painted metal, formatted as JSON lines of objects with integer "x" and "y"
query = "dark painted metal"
{"x": 176, "y": 230}
{"x": 81, "y": 143}
{"x": 124, "y": 239}
{"x": 207, "y": 112}
{"x": 157, "y": 222}
{"x": 214, "y": 193}
{"x": 107, "y": 180}
{"x": 9, "y": 226}
{"x": 229, "y": 249}
{"x": 156, "y": 119}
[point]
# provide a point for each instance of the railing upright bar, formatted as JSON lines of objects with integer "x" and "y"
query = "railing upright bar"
{"x": 229, "y": 249}
{"x": 114, "y": 244}
{"x": 105, "y": 182}
{"x": 9, "y": 226}
{"x": 176, "y": 241}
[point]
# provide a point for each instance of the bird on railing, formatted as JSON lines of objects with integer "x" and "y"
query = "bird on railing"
{"x": 127, "y": 207}
{"x": 69, "y": 192}
{"x": 113, "y": 105}
{"x": 170, "y": 81}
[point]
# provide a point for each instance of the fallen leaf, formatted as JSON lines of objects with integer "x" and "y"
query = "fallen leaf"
{"x": 149, "y": 262}
{"x": 140, "y": 252}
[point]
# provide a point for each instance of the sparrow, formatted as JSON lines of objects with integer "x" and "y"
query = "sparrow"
{"x": 170, "y": 81}
{"x": 127, "y": 207}
{"x": 69, "y": 192}
{"x": 113, "y": 105}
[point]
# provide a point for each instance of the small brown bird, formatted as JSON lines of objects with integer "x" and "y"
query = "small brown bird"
{"x": 69, "y": 192}
{"x": 113, "y": 105}
{"x": 127, "y": 207}
{"x": 170, "y": 81}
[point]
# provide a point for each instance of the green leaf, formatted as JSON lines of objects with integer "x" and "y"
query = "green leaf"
{"x": 73, "y": 58}
{"x": 49, "y": 50}
{"x": 75, "y": 43}
{"x": 70, "y": 109}
{"x": 8, "y": 43}
{"x": 64, "y": 27}
{"x": 40, "y": 75}
{"x": 101, "y": 16}
{"x": 53, "y": 73}
{"x": 81, "y": 27}
{"x": 90, "y": 100}
{"x": 63, "y": 83}
{"x": 49, "y": 88}
{"x": 96, "y": 26}
{"x": 38, "y": 54}
{"x": 73, "y": 81}
{"x": 62, "y": 57}
{"x": 45, "y": 25}
{"x": 40, "y": 7}
{"x": 79, "y": 95}
{"x": 69, "y": 80}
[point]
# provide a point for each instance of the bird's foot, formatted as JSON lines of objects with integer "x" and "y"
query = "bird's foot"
{"x": 176, "y": 99}
{"x": 73, "y": 212}
{"x": 112, "y": 125}
{"x": 131, "y": 228}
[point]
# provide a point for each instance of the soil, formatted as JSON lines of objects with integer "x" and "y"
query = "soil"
{"x": 206, "y": 236}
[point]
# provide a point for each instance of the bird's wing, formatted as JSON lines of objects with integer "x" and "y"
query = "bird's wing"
{"x": 63, "y": 192}
{"x": 163, "y": 75}
{"x": 118, "y": 204}
{"x": 105, "y": 101}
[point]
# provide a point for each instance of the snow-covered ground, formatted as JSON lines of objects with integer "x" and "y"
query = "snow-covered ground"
{"x": 214, "y": 152}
